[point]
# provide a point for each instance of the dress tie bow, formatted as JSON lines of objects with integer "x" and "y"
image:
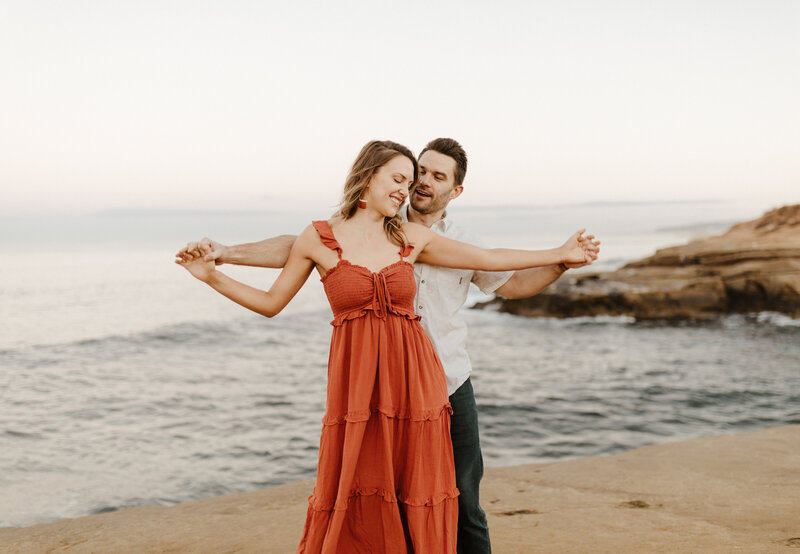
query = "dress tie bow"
{"x": 381, "y": 301}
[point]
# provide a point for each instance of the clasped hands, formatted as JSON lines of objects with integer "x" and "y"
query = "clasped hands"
{"x": 580, "y": 250}
{"x": 200, "y": 257}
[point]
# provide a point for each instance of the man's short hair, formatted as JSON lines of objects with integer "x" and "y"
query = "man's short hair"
{"x": 452, "y": 148}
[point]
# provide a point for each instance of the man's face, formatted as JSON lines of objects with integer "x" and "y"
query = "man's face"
{"x": 435, "y": 187}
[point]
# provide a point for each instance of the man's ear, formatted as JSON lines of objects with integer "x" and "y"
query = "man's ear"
{"x": 456, "y": 192}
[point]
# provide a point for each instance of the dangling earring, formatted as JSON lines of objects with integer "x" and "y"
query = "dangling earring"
{"x": 362, "y": 204}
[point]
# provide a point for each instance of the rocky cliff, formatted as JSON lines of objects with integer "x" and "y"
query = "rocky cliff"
{"x": 754, "y": 266}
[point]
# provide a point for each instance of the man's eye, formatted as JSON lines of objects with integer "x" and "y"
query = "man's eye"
{"x": 438, "y": 177}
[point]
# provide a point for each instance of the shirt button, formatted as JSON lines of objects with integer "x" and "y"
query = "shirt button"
{"x": 423, "y": 281}
{"x": 420, "y": 307}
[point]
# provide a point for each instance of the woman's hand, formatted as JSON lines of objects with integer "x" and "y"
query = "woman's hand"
{"x": 214, "y": 251}
{"x": 196, "y": 264}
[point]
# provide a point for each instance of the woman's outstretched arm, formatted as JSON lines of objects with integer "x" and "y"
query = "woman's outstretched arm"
{"x": 435, "y": 249}
{"x": 268, "y": 303}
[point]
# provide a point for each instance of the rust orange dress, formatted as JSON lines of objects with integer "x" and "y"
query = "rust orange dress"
{"x": 385, "y": 479}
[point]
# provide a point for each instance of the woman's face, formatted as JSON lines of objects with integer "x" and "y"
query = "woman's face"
{"x": 388, "y": 188}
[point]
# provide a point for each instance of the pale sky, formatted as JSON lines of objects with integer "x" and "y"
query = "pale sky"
{"x": 196, "y": 104}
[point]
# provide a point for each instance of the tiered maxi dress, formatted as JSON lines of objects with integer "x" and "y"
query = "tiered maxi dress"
{"x": 385, "y": 479}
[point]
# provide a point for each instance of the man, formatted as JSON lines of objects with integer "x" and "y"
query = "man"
{"x": 441, "y": 292}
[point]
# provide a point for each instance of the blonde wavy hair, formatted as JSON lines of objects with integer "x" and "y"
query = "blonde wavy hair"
{"x": 372, "y": 157}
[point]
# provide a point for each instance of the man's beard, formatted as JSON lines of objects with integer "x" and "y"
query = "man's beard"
{"x": 435, "y": 203}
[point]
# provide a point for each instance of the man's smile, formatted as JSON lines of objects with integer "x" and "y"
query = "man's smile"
{"x": 422, "y": 192}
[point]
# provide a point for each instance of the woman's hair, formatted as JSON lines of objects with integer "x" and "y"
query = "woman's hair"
{"x": 372, "y": 157}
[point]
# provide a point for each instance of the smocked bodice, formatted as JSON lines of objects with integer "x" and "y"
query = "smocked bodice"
{"x": 354, "y": 290}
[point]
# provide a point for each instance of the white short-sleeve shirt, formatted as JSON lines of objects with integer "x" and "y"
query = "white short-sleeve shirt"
{"x": 441, "y": 291}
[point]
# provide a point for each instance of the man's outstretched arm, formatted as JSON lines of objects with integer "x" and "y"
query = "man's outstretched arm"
{"x": 530, "y": 282}
{"x": 271, "y": 252}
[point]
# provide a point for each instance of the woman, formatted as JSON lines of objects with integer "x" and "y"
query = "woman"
{"x": 385, "y": 479}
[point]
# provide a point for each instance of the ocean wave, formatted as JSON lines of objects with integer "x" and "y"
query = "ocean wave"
{"x": 729, "y": 321}
{"x": 559, "y": 323}
{"x": 177, "y": 333}
{"x": 777, "y": 319}
{"x": 187, "y": 332}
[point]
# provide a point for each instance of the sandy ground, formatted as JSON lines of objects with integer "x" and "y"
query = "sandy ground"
{"x": 729, "y": 493}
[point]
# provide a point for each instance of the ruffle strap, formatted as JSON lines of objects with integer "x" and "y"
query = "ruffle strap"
{"x": 326, "y": 235}
{"x": 405, "y": 251}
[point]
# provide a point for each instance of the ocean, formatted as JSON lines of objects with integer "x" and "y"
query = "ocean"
{"x": 124, "y": 381}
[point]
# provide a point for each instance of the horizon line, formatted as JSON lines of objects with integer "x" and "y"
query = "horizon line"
{"x": 117, "y": 211}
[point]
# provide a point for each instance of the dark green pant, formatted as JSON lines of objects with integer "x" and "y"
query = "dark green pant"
{"x": 473, "y": 531}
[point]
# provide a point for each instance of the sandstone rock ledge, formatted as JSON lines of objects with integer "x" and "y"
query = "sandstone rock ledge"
{"x": 753, "y": 267}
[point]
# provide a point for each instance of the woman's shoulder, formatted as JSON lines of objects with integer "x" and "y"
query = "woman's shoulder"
{"x": 415, "y": 229}
{"x": 319, "y": 234}
{"x": 306, "y": 238}
{"x": 322, "y": 226}
{"x": 312, "y": 234}
{"x": 417, "y": 235}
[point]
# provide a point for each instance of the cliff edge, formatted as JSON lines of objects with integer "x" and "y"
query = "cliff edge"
{"x": 753, "y": 267}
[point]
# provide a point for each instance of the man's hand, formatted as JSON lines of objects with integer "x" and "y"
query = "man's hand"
{"x": 210, "y": 250}
{"x": 591, "y": 249}
{"x": 577, "y": 250}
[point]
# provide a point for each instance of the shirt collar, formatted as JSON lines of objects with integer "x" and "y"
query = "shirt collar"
{"x": 442, "y": 225}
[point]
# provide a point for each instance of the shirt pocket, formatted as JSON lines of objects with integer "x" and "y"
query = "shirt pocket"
{"x": 453, "y": 287}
